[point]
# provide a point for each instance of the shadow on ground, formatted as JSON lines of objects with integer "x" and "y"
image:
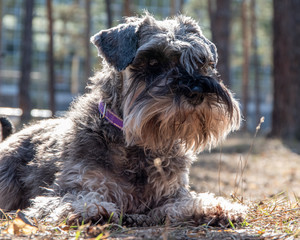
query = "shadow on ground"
{"x": 252, "y": 169}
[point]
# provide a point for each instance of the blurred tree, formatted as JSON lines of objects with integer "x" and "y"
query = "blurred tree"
{"x": 88, "y": 16}
{"x": 245, "y": 87}
{"x": 51, "y": 73}
{"x": 255, "y": 60}
{"x": 1, "y": 54}
{"x": 286, "y": 71}
{"x": 127, "y": 8}
{"x": 220, "y": 16}
{"x": 70, "y": 25}
{"x": 26, "y": 54}
{"x": 109, "y": 13}
{"x": 176, "y": 7}
{"x": 173, "y": 7}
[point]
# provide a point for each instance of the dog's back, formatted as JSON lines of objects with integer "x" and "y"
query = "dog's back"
{"x": 22, "y": 174}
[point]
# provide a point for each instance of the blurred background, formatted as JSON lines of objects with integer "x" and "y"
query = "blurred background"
{"x": 46, "y": 57}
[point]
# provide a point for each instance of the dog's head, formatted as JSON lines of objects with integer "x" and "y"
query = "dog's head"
{"x": 171, "y": 89}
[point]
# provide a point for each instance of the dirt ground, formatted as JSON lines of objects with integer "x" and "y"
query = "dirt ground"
{"x": 250, "y": 169}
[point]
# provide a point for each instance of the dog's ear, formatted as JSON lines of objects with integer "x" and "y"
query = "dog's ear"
{"x": 117, "y": 45}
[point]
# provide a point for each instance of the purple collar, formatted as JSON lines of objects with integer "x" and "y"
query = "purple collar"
{"x": 110, "y": 116}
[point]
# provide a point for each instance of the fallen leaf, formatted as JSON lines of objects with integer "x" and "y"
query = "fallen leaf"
{"x": 21, "y": 225}
{"x": 229, "y": 230}
{"x": 261, "y": 232}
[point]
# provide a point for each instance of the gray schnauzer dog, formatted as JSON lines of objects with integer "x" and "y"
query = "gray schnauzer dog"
{"x": 124, "y": 149}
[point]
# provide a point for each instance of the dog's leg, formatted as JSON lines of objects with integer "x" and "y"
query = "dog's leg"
{"x": 86, "y": 195}
{"x": 50, "y": 209}
{"x": 92, "y": 206}
{"x": 200, "y": 208}
{"x": 74, "y": 208}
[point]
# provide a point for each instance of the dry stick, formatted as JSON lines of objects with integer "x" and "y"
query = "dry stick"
{"x": 166, "y": 229}
{"x": 3, "y": 213}
{"x": 219, "y": 170}
{"x": 239, "y": 169}
{"x": 242, "y": 172}
{"x": 262, "y": 119}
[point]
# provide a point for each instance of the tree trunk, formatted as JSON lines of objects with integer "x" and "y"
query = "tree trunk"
{"x": 181, "y": 6}
{"x": 295, "y": 70}
{"x": 172, "y": 7}
{"x": 286, "y": 72}
{"x": 88, "y": 71}
{"x": 109, "y": 13}
{"x": 255, "y": 61}
{"x": 219, "y": 12}
{"x": 176, "y": 7}
{"x": 245, "y": 74}
{"x": 26, "y": 53}
{"x": 281, "y": 68}
{"x": 127, "y": 8}
{"x": 1, "y": 54}
{"x": 51, "y": 73}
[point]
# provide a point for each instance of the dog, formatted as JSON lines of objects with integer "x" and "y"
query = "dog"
{"x": 124, "y": 149}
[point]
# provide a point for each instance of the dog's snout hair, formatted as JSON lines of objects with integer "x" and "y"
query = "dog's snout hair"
{"x": 197, "y": 87}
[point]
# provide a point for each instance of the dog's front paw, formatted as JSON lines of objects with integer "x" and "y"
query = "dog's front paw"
{"x": 219, "y": 211}
{"x": 95, "y": 214}
{"x": 48, "y": 209}
{"x": 86, "y": 209}
{"x": 77, "y": 219}
{"x": 235, "y": 212}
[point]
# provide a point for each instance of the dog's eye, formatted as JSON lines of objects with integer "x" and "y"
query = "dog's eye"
{"x": 212, "y": 64}
{"x": 153, "y": 62}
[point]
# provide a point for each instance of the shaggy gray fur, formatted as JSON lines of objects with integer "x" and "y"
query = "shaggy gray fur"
{"x": 160, "y": 77}
{"x": 6, "y": 128}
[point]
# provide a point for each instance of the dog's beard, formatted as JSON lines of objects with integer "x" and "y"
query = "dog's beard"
{"x": 157, "y": 121}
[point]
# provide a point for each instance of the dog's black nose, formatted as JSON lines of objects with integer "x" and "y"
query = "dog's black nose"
{"x": 197, "y": 89}
{"x": 194, "y": 95}
{"x": 192, "y": 89}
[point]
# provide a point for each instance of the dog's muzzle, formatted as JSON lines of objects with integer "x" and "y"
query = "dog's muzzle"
{"x": 194, "y": 94}
{"x": 196, "y": 86}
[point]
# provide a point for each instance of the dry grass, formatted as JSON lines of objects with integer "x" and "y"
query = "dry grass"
{"x": 273, "y": 218}
{"x": 278, "y": 215}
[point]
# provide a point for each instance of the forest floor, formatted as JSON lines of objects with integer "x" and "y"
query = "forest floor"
{"x": 262, "y": 173}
